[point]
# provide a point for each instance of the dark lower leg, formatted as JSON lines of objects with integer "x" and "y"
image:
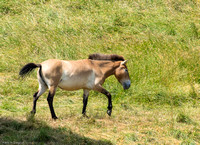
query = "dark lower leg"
{"x": 50, "y": 102}
{"x": 99, "y": 88}
{"x": 105, "y": 92}
{"x": 109, "y": 111}
{"x": 85, "y": 100}
{"x": 35, "y": 98}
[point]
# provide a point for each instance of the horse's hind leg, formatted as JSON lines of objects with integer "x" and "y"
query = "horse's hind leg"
{"x": 85, "y": 100}
{"x": 42, "y": 89}
{"x": 52, "y": 91}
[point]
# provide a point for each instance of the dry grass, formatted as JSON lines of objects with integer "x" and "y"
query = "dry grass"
{"x": 129, "y": 124}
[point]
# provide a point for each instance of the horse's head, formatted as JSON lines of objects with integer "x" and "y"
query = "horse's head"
{"x": 122, "y": 75}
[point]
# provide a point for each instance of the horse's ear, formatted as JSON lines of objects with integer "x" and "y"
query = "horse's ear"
{"x": 124, "y": 62}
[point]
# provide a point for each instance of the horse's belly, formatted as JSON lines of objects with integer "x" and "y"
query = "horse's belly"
{"x": 75, "y": 83}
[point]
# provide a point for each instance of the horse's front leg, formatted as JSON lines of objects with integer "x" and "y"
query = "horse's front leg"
{"x": 85, "y": 100}
{"x": 100, "y": 89}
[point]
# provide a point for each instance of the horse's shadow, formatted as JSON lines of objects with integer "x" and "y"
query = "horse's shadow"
{"x": 37, "y": 132}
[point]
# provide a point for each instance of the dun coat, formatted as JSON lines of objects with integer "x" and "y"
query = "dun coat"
{"x": 87, "y": 74}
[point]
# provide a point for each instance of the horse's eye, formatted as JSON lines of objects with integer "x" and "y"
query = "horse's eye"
{"x": 126, "y": 70}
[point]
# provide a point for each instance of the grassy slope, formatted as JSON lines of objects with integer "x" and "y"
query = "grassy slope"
{"x": 159, "y": 38}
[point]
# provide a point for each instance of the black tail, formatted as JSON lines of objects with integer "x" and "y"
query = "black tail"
{"x": 28, "y": 68}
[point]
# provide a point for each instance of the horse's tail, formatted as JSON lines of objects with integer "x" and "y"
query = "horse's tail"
{"x": 28, "y": 68}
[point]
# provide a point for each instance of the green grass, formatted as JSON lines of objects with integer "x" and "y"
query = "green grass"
{"x": 161, "y": 40}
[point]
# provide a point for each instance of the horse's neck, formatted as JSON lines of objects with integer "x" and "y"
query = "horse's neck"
{"x": 108, "y": 67}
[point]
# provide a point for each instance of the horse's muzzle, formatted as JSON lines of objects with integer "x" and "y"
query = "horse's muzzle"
{"x": 126, "y": 85}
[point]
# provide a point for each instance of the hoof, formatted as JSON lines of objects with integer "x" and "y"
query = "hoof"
{"x": 33, "y": 112}
{"x": 84, "y": 115}
{"x": 109, "y": 112}
{"x": 54, "y": 118}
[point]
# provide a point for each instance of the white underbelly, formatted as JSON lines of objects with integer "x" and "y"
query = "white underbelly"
{"x": 76, "y": 83}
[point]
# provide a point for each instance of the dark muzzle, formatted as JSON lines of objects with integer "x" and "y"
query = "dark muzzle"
{"x": 126, "y": 85}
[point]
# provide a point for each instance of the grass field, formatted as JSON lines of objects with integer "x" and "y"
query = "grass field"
{"x": 161, "y": 40}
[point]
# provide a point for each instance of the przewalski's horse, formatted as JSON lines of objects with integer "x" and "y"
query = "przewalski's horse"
{"x": 87, "y": 74}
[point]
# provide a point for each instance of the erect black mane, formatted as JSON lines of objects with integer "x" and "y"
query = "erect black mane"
{"x": 112, "y": 57}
